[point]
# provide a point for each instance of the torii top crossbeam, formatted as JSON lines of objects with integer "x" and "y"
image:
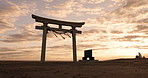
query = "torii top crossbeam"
{"x": 46, "y": 28}
{"x": 57, "y": 22}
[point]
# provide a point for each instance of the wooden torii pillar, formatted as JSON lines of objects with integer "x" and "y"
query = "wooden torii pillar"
{"x": 46, "y": 28}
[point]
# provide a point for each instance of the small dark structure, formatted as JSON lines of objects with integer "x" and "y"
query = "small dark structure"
{"x": 88, "y": 56}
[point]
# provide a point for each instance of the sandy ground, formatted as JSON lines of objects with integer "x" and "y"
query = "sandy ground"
{"x": 103, "y": 69}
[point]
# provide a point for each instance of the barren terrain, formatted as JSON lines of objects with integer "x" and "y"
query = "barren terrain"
{"x": 121, "y": 68}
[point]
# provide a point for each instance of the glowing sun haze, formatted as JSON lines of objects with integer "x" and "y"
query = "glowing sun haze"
{"x": 113, "y": 28}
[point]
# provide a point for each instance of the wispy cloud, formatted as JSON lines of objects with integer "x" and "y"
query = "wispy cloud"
{"x": 48, "y": 0}
{"x": 141, "y": 29}
{"x": 15, "y": 38}
{"x": 139, "y": 46}
{"x": 92, "y": 1}
{"x": 19, "y": 53}
{"x": 131, "y": 38}
{"x": 132, "y": 17}
{"x": 116, "y": 32}
{"x": 27, "y": 33}
{"x": 61, "y": 10}
{"x": 9, "y": 13}
{"x": 73, "y": 7}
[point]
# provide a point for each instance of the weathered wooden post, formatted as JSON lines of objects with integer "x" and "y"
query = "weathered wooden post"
{"x": 74, "y": 44}
{"x": 44, "y": 37}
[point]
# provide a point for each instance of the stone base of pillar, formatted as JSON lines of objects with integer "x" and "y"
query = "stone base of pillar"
{"x": 88, "y": 60}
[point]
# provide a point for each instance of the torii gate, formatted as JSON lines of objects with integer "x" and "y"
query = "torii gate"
{"x": 46, "y": 28}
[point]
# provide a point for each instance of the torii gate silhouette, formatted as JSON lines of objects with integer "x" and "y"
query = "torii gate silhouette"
{"x": 46, "y": 28}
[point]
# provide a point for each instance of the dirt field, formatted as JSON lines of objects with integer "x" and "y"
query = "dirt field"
{"x": 103, "y": 69}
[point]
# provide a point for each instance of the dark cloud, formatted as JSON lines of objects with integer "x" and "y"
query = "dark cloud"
{"x": 93, "y": 31}
{"x": 13, "y": 49}
{"x": 138, "y": 46}
{"x": 62, "y": 47}
{"x": 131, "y": 11}
{"x": 5, "y": 25}
{"x": 140, "y": 29}
{"x": 135, "y": 3}
{"x": 69, "y": 47}
{"x": 130, "y": 38}
{"x": 94, "y": 46}
{"x": 101, "y": 48}
{"x": 27, "y": 35}
{"x": 86, "y": 45}
{"x": 19, "y": 53}
{"x": 103, "y": 38}
{"x": 142, "y": 21}
{"x": 15, "y": 38}
{"x": 11, "y": 53}
{"x": 116, "y": 32}
{"x": 6, "y": 49}
{"x": 17, "y": 50}
{"x": 90, "y": 31}
{"x": 142, "y": 47}
{"x": 131, "y": 8}
{"x": 130, "y": 18}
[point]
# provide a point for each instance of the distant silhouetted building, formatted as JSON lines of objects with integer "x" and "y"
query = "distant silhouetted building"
{"x": 88, "y": 56}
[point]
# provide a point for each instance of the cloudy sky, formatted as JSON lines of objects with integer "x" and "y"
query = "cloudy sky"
{"x": 113, "y": 28}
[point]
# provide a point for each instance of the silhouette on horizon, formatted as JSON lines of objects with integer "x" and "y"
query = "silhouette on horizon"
{"x": 60, "y": 23}
{"x": 139, "y": 56}
{"x": 88, "y": 56}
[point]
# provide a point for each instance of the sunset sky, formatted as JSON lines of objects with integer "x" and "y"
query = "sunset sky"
{"x": 113, "y": 29}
